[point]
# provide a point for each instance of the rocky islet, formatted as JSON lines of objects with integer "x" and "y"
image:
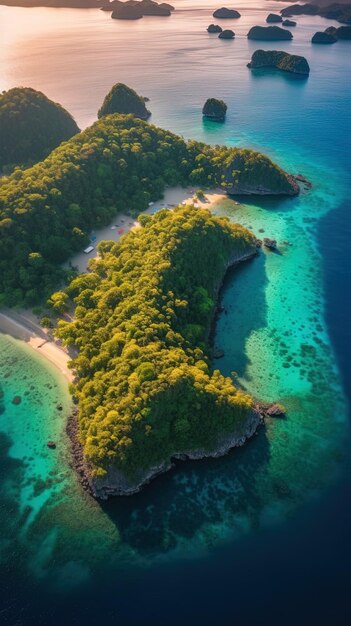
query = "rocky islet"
{"x": 269, "y": 33}
{"x": 280, "y": 60}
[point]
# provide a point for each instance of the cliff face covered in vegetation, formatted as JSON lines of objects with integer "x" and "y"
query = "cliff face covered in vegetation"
{"x": 31, "y": 126}
{"x": 123, "y": 99}
{"x": 215, "y": 109}
{"x": 142, "y": 317}
{"x": 119, "y": 164}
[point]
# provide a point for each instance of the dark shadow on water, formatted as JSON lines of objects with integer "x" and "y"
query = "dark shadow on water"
{"x": 191, "y": 498}
{"x": 243, "y": 298}
{"x": 269, "y": 203}
{"x": 198, "y": 495}
{"x": 208, "y": 123}
{"x": 274, "y": 251}
{"x": 264, "y": 72}
{"x": 13, "y": 556}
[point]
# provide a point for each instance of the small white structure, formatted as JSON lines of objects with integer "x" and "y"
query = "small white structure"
{"x": 88, "y": 249}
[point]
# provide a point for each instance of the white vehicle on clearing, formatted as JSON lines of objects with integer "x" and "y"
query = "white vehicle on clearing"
{"x": 89, "y": 249}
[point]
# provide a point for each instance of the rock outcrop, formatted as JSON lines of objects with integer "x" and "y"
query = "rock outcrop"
{"x": 300, "y": 9}
{"x": 273, "y": 18}
{"x": 324, "y": 38}
{"x": 123, "y": 99}
{"x": 145, "y": 7}
{"x": 226, "y": 34}
{"x": 280, "y": 60}
{"x": 289, "y": 23}
{"x": 215, "y": 109}
{"x": 225, "y": 13}
{"x": 270, "y": 243}
{"x": 276, "y": 410}
{"x": 269, "y": 33}
{"x": 214, "y": 28}
{"x": 343, "y": 32}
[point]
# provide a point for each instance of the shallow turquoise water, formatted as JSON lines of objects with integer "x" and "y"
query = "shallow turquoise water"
{"x": 274, "y": 335}
{"x": 35, "y": 472}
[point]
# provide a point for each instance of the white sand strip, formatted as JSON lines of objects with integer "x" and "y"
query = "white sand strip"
{"x": 40, "y": 343}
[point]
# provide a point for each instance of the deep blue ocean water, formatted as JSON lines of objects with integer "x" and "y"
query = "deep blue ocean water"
{"x": 282, "y": 553}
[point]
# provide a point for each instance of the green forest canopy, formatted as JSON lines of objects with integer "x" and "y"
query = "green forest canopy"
{"x": 142, "y": 318}
{"x": 118, "y": 164}
{"x": 31, "y": 126}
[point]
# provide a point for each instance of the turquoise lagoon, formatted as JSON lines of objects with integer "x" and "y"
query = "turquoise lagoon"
{"x": 275, "y": 333}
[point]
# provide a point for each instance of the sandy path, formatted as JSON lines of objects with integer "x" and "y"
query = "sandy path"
{"x": 23, "y": 324}
{"x": 123, "y": 223}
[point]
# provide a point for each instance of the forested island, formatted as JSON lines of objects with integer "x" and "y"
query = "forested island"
{"x": 119, "y": 164}
{"x": 280, "y": 60}
{"x": 31, "y": 126}
{"x": 145, "y": 388}
{"x": 269, "y": 33}
{"x": 123, "y": 99}
{"x": 215, "y": 110}
{"x": 332, "y": 35}
{"x": 227, "y": 14}
{"x": 136, "y": 9}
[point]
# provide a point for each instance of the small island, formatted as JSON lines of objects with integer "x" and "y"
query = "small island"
{"x": 123, "y": 99}
{"x": 226, "y": 34}
{"x": 280, "y": 60}
{"x": 214, "y": 28}
{"x": 273, "y": 17}
{"x": 31, "y": 126}
{"x": 226, "y": 14}
{"x": 323, "y": 38}
{"x": 269, "y": 33}
{"x": 214, "y": 109}
{"x": 134, "y": 9}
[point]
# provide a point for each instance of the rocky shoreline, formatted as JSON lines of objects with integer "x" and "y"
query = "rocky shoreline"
{"x": 260, "y": 190}
{"x": 116, "y": 483}
{"x": 77, "y": 458}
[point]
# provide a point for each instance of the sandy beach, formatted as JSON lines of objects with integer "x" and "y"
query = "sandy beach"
{"x": 22, "y": 325}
